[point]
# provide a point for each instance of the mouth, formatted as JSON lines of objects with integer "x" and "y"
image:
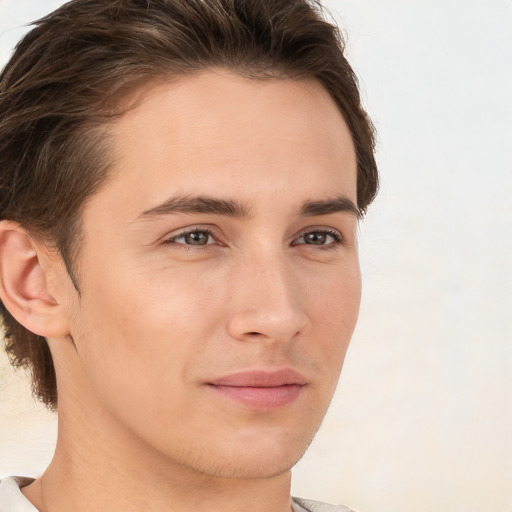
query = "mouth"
{"x": 261, "y": 390}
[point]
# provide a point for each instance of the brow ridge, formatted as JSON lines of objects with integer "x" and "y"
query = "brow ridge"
{"x": 328, "y": 206}
{"x": 199, "y": 204}
{"x": 233, "y": 208}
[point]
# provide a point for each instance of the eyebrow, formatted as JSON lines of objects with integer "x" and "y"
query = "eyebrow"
{"x": 199, "y": 204}
{"x": 233, "y": 208}
{"x": 327, "y": 206}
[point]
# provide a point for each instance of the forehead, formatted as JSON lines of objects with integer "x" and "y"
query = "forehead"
{"x": 215, "y": 131}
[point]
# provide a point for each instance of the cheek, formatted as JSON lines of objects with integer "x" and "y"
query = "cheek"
{"x": 336, "y": 295}
{"x": 135, "y": 344}
{"x": 147, "y": 324}
{"x": 334, "y": 313}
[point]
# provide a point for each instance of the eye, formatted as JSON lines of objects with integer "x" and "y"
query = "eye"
{"x": 197, "y": 237}
{"x": 319, "y": 237}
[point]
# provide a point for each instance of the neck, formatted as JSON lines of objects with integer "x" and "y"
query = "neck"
{"x": 97, "y": 467}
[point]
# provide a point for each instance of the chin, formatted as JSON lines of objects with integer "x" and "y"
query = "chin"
{"x": 259, "y": 459}
{"x": 248, "y": 469}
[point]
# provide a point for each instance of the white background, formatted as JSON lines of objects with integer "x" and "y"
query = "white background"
{"x": 422, "y": 419}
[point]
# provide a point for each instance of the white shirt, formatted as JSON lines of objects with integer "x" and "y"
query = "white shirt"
{"x": 13, "y": 500}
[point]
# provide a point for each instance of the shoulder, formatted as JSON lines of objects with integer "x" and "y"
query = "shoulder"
{"x": 11, "y": 497}
{"x": 13, "y": 500}
{"x": 302, "y": 505}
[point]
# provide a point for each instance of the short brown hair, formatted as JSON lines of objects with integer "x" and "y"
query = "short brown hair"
{"x": 60, "y": 89}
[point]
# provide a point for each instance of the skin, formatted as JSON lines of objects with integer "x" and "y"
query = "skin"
{"x": 158, "y": 319}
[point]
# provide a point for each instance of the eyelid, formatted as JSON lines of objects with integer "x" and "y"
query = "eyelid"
{"x": 335, "y": 233}
{"x": 170, "y": 238}
{"x": 214, "y": 232}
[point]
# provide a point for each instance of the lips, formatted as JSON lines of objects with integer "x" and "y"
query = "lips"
{"x": 261, "y": 390}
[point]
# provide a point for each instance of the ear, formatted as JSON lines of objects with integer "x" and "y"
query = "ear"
{"x": 26, "y": 269}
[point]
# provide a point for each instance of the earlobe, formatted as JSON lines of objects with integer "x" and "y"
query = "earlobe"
{"x": 24, "y": 283}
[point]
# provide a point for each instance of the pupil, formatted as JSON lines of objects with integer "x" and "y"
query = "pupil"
{"x": 197, "y": 238}
{"x": 316, "y": 238}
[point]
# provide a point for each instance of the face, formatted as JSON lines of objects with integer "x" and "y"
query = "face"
{"x": 219, "y": 273}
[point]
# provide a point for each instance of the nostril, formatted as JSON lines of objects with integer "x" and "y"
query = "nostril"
{"x": 261, "y": 324}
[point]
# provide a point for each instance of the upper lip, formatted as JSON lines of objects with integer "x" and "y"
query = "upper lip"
{"x": 261, "y": 379}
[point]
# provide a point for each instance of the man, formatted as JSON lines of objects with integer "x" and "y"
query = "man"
{"x": 181, "y": 185}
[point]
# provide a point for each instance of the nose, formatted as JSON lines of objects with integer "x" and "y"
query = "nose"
{"x": 267, "y": 302}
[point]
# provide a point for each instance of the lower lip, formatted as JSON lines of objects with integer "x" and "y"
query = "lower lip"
{"x": 264, "y": 399}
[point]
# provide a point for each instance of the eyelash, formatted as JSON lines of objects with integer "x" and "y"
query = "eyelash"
{"x": 337, "y": 237}
{"x": 208, "y": 232}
